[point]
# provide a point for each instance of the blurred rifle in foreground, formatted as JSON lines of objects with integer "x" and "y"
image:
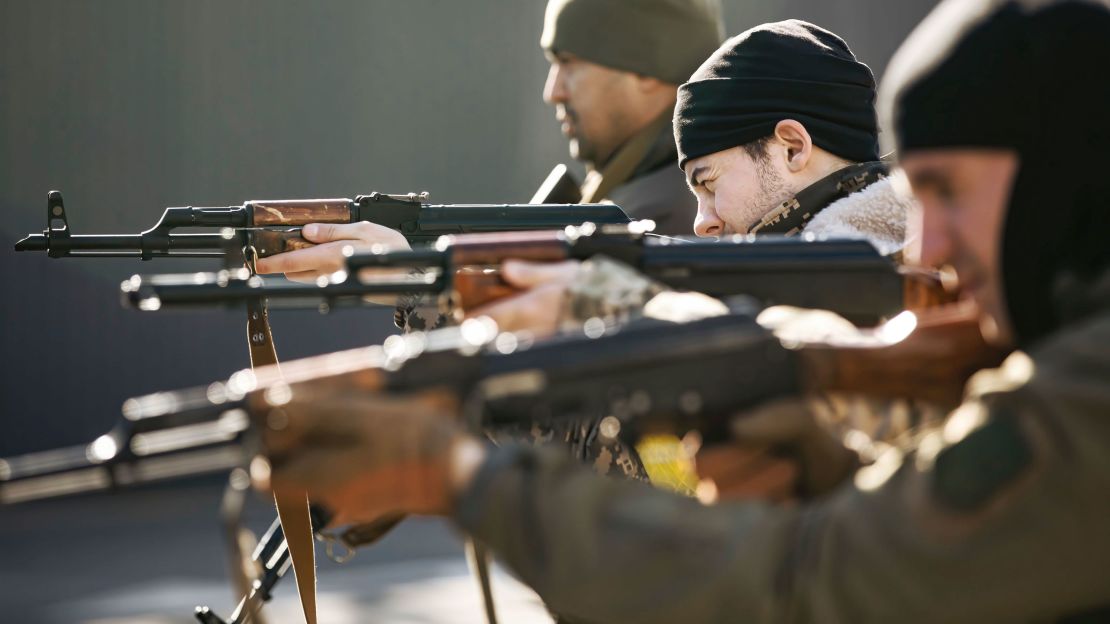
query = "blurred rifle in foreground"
{"x": 848, "y": 277}
{"x": 648, "y": 375}
{"x": 645, "y": 377}
{"x": 272, "y": 226}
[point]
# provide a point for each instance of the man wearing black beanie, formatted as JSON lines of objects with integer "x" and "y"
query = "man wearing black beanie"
{"x": 777, "y": 134}
{"x": 999, "y": 516}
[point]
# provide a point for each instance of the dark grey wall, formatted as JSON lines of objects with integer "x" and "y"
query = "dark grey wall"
{"x": 129, "y": 106}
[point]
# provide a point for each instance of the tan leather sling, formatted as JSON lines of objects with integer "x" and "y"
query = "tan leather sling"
{"x": 296, "y": 523}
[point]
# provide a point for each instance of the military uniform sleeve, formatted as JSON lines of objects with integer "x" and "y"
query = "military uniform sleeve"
{"x": 1001, "y": 515}
{"x": 420, "y": 312}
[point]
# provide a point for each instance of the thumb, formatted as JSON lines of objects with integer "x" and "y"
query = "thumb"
{"x": 523, "y": 274}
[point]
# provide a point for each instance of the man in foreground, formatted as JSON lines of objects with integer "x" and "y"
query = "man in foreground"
{"x": 999, "y": 516}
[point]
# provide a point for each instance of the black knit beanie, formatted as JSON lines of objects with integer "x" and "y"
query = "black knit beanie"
{"x": 1027, "y": 75}
{"x": 784, "y": 70}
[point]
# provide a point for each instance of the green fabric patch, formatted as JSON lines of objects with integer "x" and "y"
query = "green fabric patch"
{"x": 970, "y": 472}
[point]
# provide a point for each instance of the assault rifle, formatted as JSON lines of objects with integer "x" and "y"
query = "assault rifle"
{"x": 848, "y": 277}
{"x": 643, "y": 377}
{"x": 272, "y": 226}
{"x": 648, "y": 374}
{"x": 172, "y": 434}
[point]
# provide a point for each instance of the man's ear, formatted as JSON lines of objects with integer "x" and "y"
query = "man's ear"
{"x": 799, "y": 145}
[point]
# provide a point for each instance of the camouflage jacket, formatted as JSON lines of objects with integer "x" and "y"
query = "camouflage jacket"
{"x": 604, "y": 290}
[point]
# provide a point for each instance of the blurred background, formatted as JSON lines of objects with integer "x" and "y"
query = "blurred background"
{"x": 128, "y": 107}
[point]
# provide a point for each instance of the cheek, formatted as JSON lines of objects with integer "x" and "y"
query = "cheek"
{"x": 981, "y": 229}
{"x": 734, "y": 203}
{"x": 585, "y": 90}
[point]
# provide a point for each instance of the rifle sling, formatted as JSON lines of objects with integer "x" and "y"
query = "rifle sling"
{"x": 296, "y": 523}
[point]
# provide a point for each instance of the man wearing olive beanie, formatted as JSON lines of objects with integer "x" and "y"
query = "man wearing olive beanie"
{"x": 777, "y": 134}
{"x": 615, "y": 68}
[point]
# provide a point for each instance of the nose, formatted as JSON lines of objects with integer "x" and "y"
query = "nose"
{"x": 554, "y": 90}
{"x": 935, "y": 246}
{"x": 707, "y": 223}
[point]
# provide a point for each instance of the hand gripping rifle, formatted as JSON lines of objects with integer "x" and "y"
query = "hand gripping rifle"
{"x": 644, "y": 377}
{"x": 848, "y": 277}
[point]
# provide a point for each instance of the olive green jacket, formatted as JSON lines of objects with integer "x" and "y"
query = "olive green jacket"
{"x": 1001, "y": 515}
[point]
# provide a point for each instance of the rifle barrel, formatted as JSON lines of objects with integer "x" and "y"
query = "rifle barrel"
{"x": 157, "y": 291}
{"x": 126, "y": 245}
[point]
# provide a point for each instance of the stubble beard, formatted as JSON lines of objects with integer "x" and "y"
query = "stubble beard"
{"x": 596, "y": 152}
{"x": 773, "y": 190}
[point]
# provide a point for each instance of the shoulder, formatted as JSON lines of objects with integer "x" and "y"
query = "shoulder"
{"x": 1076, "y": 359}
{"x": 877, "y": 213}
{"x": 1059, "y": 389}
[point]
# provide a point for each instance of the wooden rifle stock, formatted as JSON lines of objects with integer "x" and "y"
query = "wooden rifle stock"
{"x": 926, "y": 288}
{"x": 932, "y": 362}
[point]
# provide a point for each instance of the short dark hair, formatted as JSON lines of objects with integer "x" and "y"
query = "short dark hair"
{"x": 757, "y": 149}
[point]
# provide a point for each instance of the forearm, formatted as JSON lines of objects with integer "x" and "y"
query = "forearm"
{"x": 613, "y": 550}
{"x": 1008, "y": 510}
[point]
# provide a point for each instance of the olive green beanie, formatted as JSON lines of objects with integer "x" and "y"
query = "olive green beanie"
{"x": 664, "y": 39}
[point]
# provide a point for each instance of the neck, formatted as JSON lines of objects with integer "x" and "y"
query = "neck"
{"x": 791, "y": 216}
{"x": 822, "y": 165}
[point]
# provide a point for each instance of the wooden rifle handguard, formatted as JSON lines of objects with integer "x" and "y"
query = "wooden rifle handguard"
{"x": 932, "y": 362}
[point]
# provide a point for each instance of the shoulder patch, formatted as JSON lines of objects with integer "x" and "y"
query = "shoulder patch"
{"x": 969, "y": 473}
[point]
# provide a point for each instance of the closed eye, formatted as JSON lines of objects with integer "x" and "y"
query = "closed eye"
{"x": 695, "y": 179}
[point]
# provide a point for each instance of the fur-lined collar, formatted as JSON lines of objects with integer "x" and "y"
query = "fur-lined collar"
{"x": 876, "y": 212}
